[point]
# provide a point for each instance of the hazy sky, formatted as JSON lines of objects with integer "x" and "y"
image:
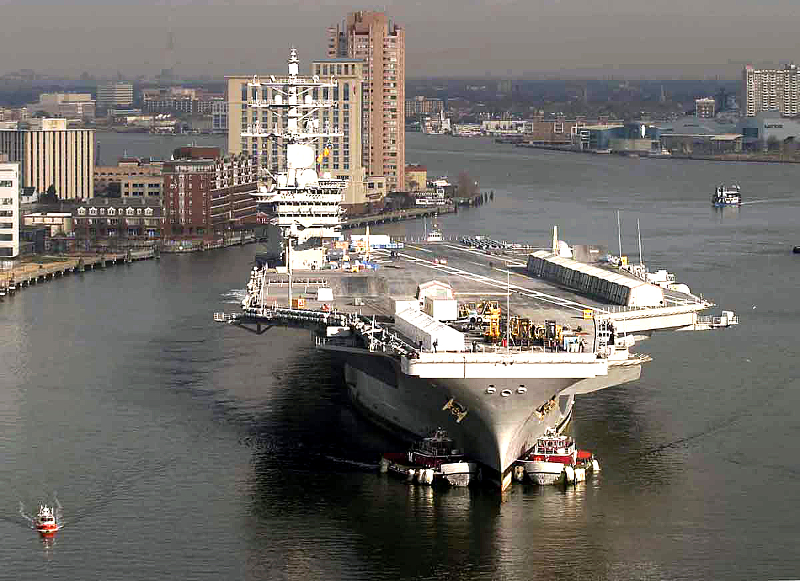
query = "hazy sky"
{"x": 504, "y": 38}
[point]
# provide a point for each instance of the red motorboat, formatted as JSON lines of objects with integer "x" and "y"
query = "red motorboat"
{"x": 45, "y": 522}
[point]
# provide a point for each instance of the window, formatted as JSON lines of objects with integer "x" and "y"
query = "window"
{"x": 6, "y": 184}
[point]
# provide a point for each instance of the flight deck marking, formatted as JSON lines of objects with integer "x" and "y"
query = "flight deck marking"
{"x": 562, "y": 302}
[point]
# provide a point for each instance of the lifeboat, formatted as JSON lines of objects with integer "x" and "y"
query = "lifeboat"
{"x": 45, "y": 522}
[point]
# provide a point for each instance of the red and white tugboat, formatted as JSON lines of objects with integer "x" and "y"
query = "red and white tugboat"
{"x": 555, "y": 460}
{"x": 552, "y": 454}
{"x": 45, "y": 522}
{"x": 434, "y": 458}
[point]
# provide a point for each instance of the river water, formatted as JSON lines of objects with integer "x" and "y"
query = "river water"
{"x": 181, "y": 449}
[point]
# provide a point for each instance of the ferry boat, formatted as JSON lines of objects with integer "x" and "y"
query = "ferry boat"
{"x": 727, "y": 196}
{"x": 45, "y": 521}
{"x": 550, "y": 456}
{"x": 435, "y": 458}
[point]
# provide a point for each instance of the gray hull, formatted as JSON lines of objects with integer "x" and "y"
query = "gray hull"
{"x": 496, "y": 429}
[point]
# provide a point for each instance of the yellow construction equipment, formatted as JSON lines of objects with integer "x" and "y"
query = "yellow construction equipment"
{"x": 491, "y": 318}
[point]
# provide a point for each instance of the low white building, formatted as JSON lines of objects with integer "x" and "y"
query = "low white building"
{"x": 9, "y": 209}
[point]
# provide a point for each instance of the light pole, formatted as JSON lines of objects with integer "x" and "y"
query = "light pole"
{"x": 508, "y": 308}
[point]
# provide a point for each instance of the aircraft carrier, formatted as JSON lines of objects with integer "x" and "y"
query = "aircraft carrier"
{"x": 493, "y": 397}
{"x": 404, "y": 319}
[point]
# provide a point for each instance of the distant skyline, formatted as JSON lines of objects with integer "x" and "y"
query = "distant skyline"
{"x": 444, "y": 38}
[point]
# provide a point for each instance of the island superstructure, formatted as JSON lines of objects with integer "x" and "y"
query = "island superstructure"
{"x": 305, "y": 207}
{"x": 404, "y": 324}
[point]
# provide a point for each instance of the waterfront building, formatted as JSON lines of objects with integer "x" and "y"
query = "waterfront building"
{"x": 705, "y": 108}
{"x": 219, "y": 116}
{"x": 344, "y": 153}
{"x": 117, "y": 221}
{"x": 69, "y": 105}
{"x": 769, "y": 130}
{"x": 416, "y": 177}
{"x": 52, "y": 155}
{"x": 771, "y": 90}
{"x": 557, "y": 131}
{"x": 9, "y": 209}
{"x": 420, "y": 106}
{"x": 114, "y": 95}
{"x": 380, "y": 44}
{"x": 58, "y": 223}
{"x": 205, "y": 193}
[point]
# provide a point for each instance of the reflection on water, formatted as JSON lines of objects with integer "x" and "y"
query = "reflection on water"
{"x": 118, "y": 392}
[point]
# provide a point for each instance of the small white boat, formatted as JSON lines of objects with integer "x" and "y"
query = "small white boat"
{"x": 727, "y": 196}
{"x": 434, "y": 235}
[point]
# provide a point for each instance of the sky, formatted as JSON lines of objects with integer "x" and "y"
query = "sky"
{"x": 444, "y": 38}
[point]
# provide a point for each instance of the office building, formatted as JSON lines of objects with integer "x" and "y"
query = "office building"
{"x": 9, "y": 209}
{"x": 52, "y": 155}
{"x": 380, "y": 44}
{"x": 344, "y": 159}
{"x": 765, "y": 90}
{"x": 69, "y": 105}
{"x": 134, "y": 177}
{"x": 705, "y": 108}
{"x": 114, "y": 95}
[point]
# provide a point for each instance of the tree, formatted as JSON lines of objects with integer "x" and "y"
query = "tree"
{"x": 773, "y": 143}
{"x": 50, "y": 196}
{"x": 467, "y": 187}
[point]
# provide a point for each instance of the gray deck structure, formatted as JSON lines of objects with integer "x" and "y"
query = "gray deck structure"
{"x": 496, "y": 400}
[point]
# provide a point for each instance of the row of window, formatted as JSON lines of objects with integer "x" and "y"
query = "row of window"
{"x": 112, "y": 212}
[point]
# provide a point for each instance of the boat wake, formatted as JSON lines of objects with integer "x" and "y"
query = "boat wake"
{"x": 31, "y": 521}
{"x": 366, "y": 466}
{"x": 234, "y": 296}
{"x": 769, "y": 201}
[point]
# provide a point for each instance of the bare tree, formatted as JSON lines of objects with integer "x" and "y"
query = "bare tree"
{"x": 467, "y": 187}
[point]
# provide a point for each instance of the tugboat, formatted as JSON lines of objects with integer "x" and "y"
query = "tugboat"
{"x": 555, "y": 460}
{"x": 45, "y": 522}
{"x": 727, "y": 196}
{"x": 551, "y": 455}
{"x": 434, "y": 459}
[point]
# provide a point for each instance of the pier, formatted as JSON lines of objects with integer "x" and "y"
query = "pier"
{"x": 396, "y": 216}
{"x": 31, "y": 273}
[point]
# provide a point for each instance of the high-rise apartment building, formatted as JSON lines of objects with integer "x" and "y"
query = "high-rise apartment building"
{"x": 110, "y": 95}
{"x": 771, "y": 90}
{"x": 344, "y": 159}
{"x": 52, "y": 155}
{"x": 381, "y": 45}
{"x": 9, "y": 209}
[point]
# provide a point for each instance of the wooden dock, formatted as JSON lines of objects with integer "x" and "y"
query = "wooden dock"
{"x": 396, "y": 216}
{"x": 30, "y": 273}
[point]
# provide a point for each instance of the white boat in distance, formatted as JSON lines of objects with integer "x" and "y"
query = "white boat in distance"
{"x": 727, "y": 196}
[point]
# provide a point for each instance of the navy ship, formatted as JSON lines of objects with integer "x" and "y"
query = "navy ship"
{"x": 414, "y": 358}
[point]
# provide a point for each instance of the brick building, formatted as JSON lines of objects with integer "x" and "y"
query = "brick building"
{"x": 206, "y": 194}
{"x": 117, "y": 222}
